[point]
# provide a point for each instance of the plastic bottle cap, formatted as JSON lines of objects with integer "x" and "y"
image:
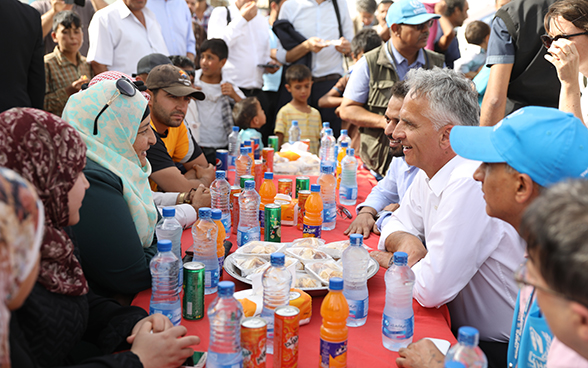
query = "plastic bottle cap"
{"x": 278, "y": 259}
{"x": 248, "y": 149}
{"x": 343, "y": 131}
{"x": 336, "y": 283}
{"x": 326, "y": 124}
{"x": 400, "y": 258}
{"x": 220, "y": 174}
{"x": 216, "y": 214}
{"x": 204, "y": 212}
{"x": 268, "y": 175}
{"x": 249, "y": 184}
{"x": 169, "y": 212}
{"x": 164, "y": 245}
{"x": 247, "y": 143}
{"x": 356, "y": 239}
{"x": 294, "y": 122}
{"x": 226, "y": 288}
{"x": 467, "y": 336}
{"x": 350, "y": 151}
{"x": 244, "y": 150}
{"x": 454, "y": 364}
{"x": 315, "y": 188}
{"x": 235, "y": 129}
{"x": 326, "y": 167}
{"x": 344, "y": 144}
{"x": 329, "y": 131}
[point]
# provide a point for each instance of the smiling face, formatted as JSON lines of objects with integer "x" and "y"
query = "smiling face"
{"x": 560, "y": 26}
{"x": 145, "y": 139}
{"x": 75, "y": 197}
{"x": 391, "y": 116}
{"x": 69, "y": 40}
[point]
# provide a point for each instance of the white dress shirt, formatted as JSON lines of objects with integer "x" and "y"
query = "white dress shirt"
{"x": 311, "y": 19}
{"x": 118, "y": 40}
{"x": 471, "y": 256}
{"x": 185, "y": 213}
{"x": 175, "y": 20}
{"x": 248, "y": 43}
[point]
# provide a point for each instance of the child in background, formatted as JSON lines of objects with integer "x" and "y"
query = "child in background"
{"x": 477, "y": 34}
{"x": 299, "y": 83}
{"x": 248, "y": 115}
{"x": 65, "y": 68}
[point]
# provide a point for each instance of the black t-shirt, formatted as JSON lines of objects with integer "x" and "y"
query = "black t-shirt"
{"x": 160, "y": 158}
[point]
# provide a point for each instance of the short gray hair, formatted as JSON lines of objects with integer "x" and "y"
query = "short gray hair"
{"x": 452, "y": 97}
{"x": 368, "y": 6}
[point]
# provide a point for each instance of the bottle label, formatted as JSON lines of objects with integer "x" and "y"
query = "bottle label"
{"x": 244, "y": 237}
{"x": 397, "y": 329}
{"x": 333, "y": 354}
{"x": 232, "y": 160}
{"x": 262, "y": 219}
{"x": 329, "y": 214}
{"x": 211, "y": 279}
{"x": 349, "y": 193}
{"x": 358, "y": 308}
{"x": 310, "y": 231}
{"x": 174, "y": 315}
{"x": 227, "y": 224}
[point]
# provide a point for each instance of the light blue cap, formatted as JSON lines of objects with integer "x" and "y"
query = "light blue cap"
{"x": 356, "y": 239}
{"x": 164, "y": 245}
{"x": 408, "y": 12}
{"x": 344, "y": 143}
{"x": 216, "y": 214}
{"x": 204, "y": 212}
{"x": 220, "y": 174}
{"x": 235, "y": 129}
{"x": 545, "y": 143}
{"x": 326, "y": 124}
{"x": 249, "y": 184}
{"x": 268, "y": 175}
{"x": 168, "y": 212}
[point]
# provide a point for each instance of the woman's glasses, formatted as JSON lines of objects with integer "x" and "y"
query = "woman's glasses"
{"x": 123, "y": 86}
{"x": 548, "y": 40}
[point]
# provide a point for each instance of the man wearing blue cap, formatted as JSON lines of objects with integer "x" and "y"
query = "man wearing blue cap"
{"x": 369, "y": 88}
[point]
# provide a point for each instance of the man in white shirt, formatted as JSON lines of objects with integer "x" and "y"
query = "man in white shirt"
{"x": 175, "y": 20}
{"x": 469, "y": 258}
{"x": 121, "y": 34}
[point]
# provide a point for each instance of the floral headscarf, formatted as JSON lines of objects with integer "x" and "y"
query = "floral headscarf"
{"x": 21, "y": 229}
{"x": 112, "y": 147}
{"x": 50, "y": 154}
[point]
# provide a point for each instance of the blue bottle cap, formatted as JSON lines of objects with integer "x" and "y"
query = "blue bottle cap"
{"x": 329, "y": 131}
{"x": 268, "y": 175}
{"x": 244, "y": 150}
{"x": 235, "y": 129}
{"x": 467, "y": 336}
{"x": 169, "y": 212}
{"x": 336, "y": 283}
{"x": 278, "y": 259}
{"x": 249, "y": 149}
{"x": 255, "y": 140}
{"x": 247, "y": 143}
{"x": 315, "y": 188}
{"x": 295, "y": 122}
{"x": 220, "y": 174}
{"x": 250, "y": 184}
{"x": 343, "y": 131}
{"x": 326, "y": 124}
{"x": 216, "y": 214}
{"x": 226, "y": 288}
{"x": 356, "y": 239}
{"x": 344, "y": 144}
{"x": 326, "y": 167}
{"x": 454, "y": 364}
{"x": 204, "y": 212}
{"x": 400, "y": 258}
{"x": 164, "y": 245}
{"x": 350, "y": 151}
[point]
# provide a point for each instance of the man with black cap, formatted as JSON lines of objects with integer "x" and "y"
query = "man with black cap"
{"x": 171, "y": 90}
{"x": 147, "y": 63}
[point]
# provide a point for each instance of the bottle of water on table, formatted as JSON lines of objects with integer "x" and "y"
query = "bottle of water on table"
{"x": 220, "y": 191}
{"x": 204, "y": 233}
{"x": 294, "y": 132}
{"x": 356, "y": 260}
{"x": 165, "y": 292}
{"x": 467, "y": 351}
{"x": 168, "y": 228}
{"x": 233, "y": 147}
{"x": 249, "y": 202}
{"x": 348, "y": 187}
{"x": 276, "y": 281}
{"x": 328, "y": 185}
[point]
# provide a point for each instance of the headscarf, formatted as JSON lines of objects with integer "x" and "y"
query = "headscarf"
{"x": 112, "y": 147}
{"x": 50, "y": 154}
{"x": 21, "y": 230}
{"x": 114, "y": 75}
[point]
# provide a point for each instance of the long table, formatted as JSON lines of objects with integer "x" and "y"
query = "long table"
{"x": 365, "y": 343}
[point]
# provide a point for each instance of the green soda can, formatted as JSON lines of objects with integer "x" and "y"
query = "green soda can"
{"x": 273, "y": 223}
{"x": 244, "y": 178}
{"x": 272, "y": 140}
{"x": 302, "y": 183}
{"x": 193, "y": 302}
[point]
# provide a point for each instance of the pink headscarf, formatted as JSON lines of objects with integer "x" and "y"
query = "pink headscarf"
{"x": 114, "y": 75}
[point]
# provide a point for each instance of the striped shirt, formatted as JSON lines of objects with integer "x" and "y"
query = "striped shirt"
{"x": 309, "y": 123}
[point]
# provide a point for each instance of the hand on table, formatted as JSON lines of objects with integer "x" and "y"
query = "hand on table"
{"x": 167, "y": 349}
{"x": 421, "y": 354}
{"x": 364, "y": 223}
{"x": 159, "y": 323}
{"x": 206, "y": 173}
{"x": 200, "y": 197}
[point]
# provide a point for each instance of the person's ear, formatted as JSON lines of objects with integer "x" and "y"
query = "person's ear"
{"x": 151, "y": 100}
{"x": 444, "y": 136}
{"x": 288, "y": 88}
{"x": 526, "y": 190}
{"x": 54, "y": 37}
{"x": 395, "y": 29}
{"x": 254, "y": 122}
{"x": 581, "y": 313}
{"x": 223, "y": 62}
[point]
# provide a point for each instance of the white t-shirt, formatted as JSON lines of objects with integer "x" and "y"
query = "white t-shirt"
{"x": 210, "y": 116}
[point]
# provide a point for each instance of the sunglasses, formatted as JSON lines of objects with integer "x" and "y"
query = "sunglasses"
{"x": 421, "y": 27}
{"x": 124, "y": 87}
{"x": 344, "y": 212}
{"x": 548, "y": 40}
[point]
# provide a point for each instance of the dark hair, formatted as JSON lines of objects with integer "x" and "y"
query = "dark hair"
{"x": 182, "y": 61}
{"x": 298, "y": 73}
{"x": 554, "y": 227}
{"x": 452, "y": 5}
{"x": 217, "y": 46}
{"x": 476, "y": 32}
{"x": 244, "y": 111}
{"x": 365, "y": 40}
{"x": 574, "y": 11}
{"x": 67, "y": 19}
{"x": 400, "y": 89}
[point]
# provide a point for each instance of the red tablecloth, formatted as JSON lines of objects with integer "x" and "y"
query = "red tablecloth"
{"x": 365, "y": 343}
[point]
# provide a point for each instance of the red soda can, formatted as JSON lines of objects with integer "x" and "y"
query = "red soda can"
{"x": 258, "y": 174}
{"x": 286, "y": 324}
{"x": 235, "y": 210}
{"x": 285, "y": 186}
{"x": 253, "y": 341}
{"x": 268, "y": 159}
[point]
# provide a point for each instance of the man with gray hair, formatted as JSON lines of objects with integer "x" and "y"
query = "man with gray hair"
{"x": 469, "y": 258}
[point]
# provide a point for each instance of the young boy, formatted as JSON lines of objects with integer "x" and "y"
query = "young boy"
{"x": 248, "y": 116}
{"x": 65, "y": 68}
{"x": 477, "y": 34}
{"x": 215, "y": 111}
{"x": 299, "y": 83}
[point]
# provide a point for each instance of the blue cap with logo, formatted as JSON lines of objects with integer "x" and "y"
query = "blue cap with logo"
{"x": 408, "y": 12}
{"x": 547, "y": 144}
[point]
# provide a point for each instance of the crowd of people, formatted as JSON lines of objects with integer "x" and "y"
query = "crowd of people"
{"x": 111, "y": 110}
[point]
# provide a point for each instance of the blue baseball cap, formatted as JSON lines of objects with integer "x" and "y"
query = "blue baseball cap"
{"x": 408, "y": 12}
{"x": 547, "y": 144}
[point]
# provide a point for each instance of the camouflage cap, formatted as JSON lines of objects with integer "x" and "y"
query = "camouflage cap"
{"x": 173, "y": 80}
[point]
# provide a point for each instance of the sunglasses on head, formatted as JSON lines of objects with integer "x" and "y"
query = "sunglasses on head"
{"x": 124, "y": 87}
{"x": 548, "y": 40}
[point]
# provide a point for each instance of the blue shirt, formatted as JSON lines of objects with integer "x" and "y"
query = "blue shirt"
{"x": 271, "y": 82}
{"x": 501, "y": 50}
{"x": 175, "y": 20}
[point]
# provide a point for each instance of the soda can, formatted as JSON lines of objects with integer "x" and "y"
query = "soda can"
{"x": 253, "y": 341}
{"x": 302, "y": 196}
{"x": 244, "y": 178}
{"x": 267, "y": 156}
{"x": 258, "y": 174}
{"x": 272, "y": 140}
{"x": 256, "y": 148}
{"x": 235, "y": 211}
{"x": 193, "y": 302}
{"x": 222, "y": 160}
{"x": 273, "y": 223}
{"x": 286, "y": 326}
{"x": 302, "y": 183}
{"x": 285, "y": 186}
{"x": 252, "y": 153}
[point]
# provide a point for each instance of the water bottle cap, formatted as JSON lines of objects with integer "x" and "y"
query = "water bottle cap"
{"x": 343, "y": 131}
{"x": 255, "y": 140}
{"x": 249, "y": 184}
{"x": 235, "y": 129}
{"x": 169, "y": 212}
{"x": 326, "y": 124}
{"x": 164, "y": 245}
{"x": 454, "y": 364}
{"x": 278, "y": 259}
{"x": 295, "y": 122}
{"x": 268, "y": 175}
{"x": 467, "y": 336}
{"x": 247, "y": 143}
{"x": 336, "y": 283}
{"x": 226, "y": 288}
{"x": 249, "y": 149}
{"x": 400, "y": 258}
{"x": 204, "y": 212}
{"x": 344, "y": 144}
{"x": 220, "y": 174}
{"x": 216, "y": 214}
{"x": 326, "y": 167}
{"x": 329, "y": 131}
{"x": 315, "y": 188}
{"x": 244, "y": 150}
{"x": 356, "y": 239}
{"x": 350, "y": 151}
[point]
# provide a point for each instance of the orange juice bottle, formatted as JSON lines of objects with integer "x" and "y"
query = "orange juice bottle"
{"x": 313, "y": 217}
{"x": 220, "y": 239}
{"x": 340, "y": 156}
{"x": 267, "y": 192}
{"x": 334, "y": 311}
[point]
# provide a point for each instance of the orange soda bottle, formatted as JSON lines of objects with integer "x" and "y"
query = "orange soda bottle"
{"x": 334, "y": 311}
{"x": 313, "y": 217}
{"x": 267, "y": 192}
{"x": 220, "y": 239}
{"x": 342, "y": 153}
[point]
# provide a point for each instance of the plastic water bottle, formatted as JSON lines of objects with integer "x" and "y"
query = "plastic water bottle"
{"x": 453, "y": 365}
{"x": 467, "y": 351}
{"x": 225, "y": 315}
{"x": 220, "y": 239}
{"x": 165, "y": 296}
{"x": 233, "y": 147}
{"x": 249, "y": 202}
{"x": 294, "y": 132}
{"x": 343, "y": 138}
{"x": 328, "y": 183}
{"x": 220, "y": 191}
{"x": 356, "y": 260}
{"x": 168, "y": 228}
{"x": 326, "y": 125}
{"x": 243, "y": 164}
{"x": 348, "y": 187}
{"x": 398, "y": 318}
{"x": 327, "y": 150}
{"x": 277, "y": 281}
{"x": 204, "y": 233}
